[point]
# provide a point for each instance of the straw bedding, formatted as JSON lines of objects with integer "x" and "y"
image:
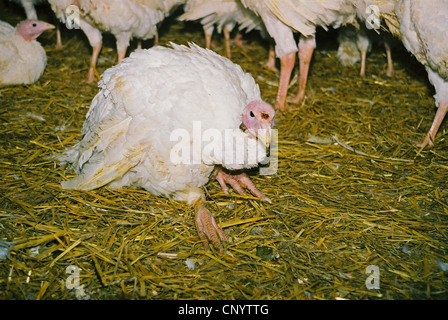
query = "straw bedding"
{"x": 351, "y": 191}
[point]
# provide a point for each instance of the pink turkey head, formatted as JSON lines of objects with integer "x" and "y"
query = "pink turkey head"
{"x": 31, "y": 29}
{"x": 258, "y": 120}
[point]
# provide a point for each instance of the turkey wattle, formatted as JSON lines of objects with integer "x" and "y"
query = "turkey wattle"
{"x": 131, "y": 136}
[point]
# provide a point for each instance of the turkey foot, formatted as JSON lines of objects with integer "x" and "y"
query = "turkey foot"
{"x": 239, "y": 42}
{"x": 208, "y": 230}
{"x": 239, "y": 182}
{"x": 270, "y": 64}
{"x": 390, "y": 66}
{"x": 428, "y": 141}
{"x": 92, "y": 71}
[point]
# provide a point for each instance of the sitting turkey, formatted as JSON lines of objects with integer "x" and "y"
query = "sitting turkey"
{"x": 152, "y": 98}
{"x": 22, "y": 58}
{"x": 30, "y": 11}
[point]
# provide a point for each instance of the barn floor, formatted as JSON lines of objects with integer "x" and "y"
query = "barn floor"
{"x": 351, "y": 191}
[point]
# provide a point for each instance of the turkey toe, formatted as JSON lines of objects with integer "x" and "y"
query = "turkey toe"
{"x": 208, "y": 230}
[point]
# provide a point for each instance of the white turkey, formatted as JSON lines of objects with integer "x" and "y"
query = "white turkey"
{"x": 283, "y": 17}
{"x": 354, "y": 43}
{"x": 22, "y": 58}
{"x": 224, "y": 16}
{"x": 166, "y": 120}
{"x": 30, "y": 11}
{"x": 422, "y": 26}
{"x": 124, "y": 19}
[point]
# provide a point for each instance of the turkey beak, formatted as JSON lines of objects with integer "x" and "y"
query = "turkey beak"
{"x": 264, "y": 135}
{"x": 49, "y": 26}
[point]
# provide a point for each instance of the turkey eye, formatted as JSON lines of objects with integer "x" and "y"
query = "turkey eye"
{"x": 251, "y": 114}
{"x": 265, "y": 116}
{"x": 34, "y": 25}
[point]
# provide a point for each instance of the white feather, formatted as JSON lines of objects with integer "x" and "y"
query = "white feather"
{"x": 220, "y": 13}
{"x": 124, "y": 19}
{"x": 21, "y": 61}
{"x": 126, "y": 136}
{"x": 423, "y": 32}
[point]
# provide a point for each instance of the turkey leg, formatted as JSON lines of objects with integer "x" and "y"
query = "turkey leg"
{"x": 430, "y": 136}
{"x": 239, "y": 182}
{"x": 390, "y": 66}
{"x": 58, "y": 37}
{"x": 362, "y": 72}
{"x": 91, "y": 74}
{"x": 306, "y": 49}
{"x": 208, "y": 230}
{"x": 270, "y": 64}
{"x": 156, "y": 39}
{"x": 121, "y": 55}
{"x": 286, "y": 66}
{"x": 238, "y": 41}
{"x": 208, "y": 40}
{"x": 227, "y": 42}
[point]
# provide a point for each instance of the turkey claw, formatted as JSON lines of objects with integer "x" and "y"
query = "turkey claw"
{"x": 426, "y": 143}
{"x": 239, "y": 182}
{"x": 208, "y": 230}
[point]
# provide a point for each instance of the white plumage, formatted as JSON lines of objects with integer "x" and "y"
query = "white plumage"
{"x": 282, "y": 18}
{"x": 124, "y": 19}
{"x": 142, "y": 102}
{"x": 31, "y": 14}
{"x": 224, "y": 16}
{"x": 420, "y": 24}
{"x": 422, "y": 28}
{"x": 22, "y": 58}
